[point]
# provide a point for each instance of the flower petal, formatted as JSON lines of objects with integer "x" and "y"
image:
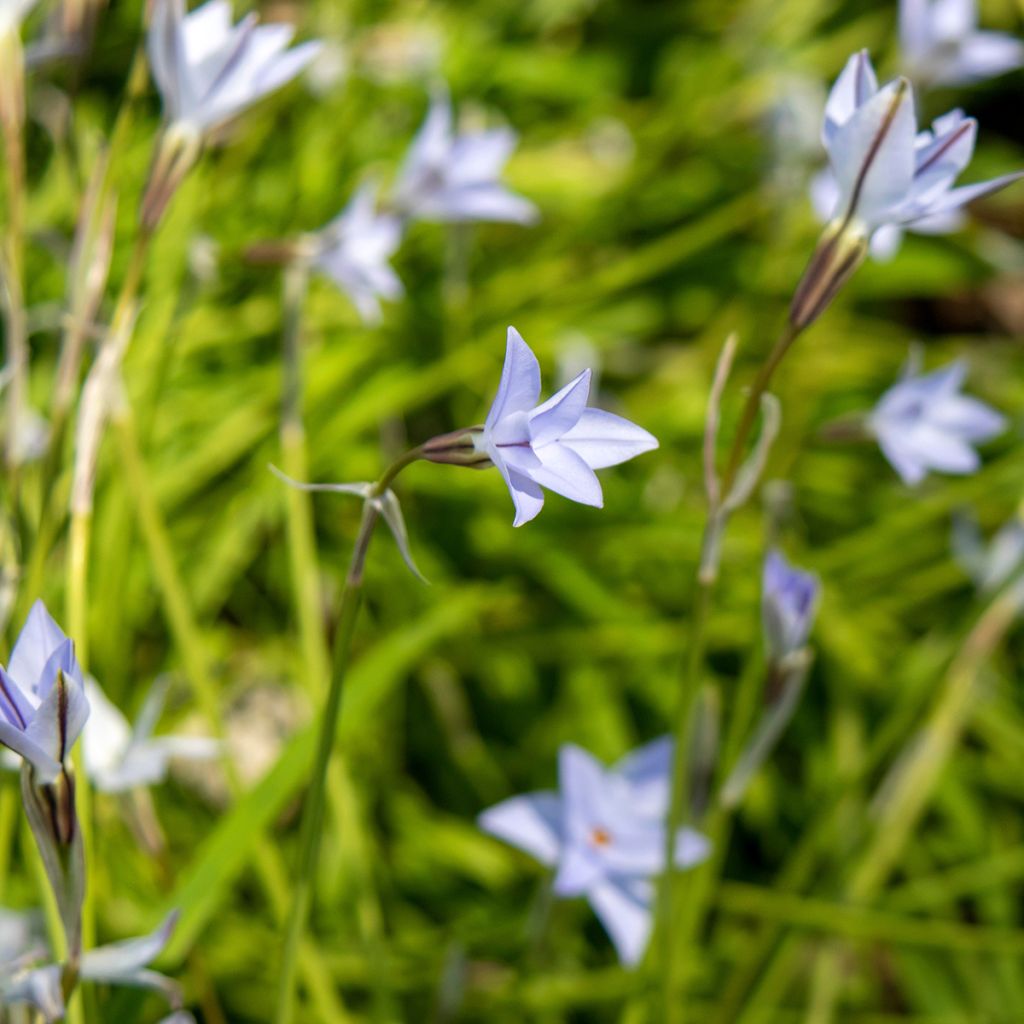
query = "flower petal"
{"x": 519, "y": 388}
{"x": 561, "y": 412}
{"x": 38, "y": 639}
{"x": 626, "y": 915}
{"x": 566, "y": 473}
{"x": 603, "y": 439}
{"x": 117, "y": 962}
{"x": 532, "y": 822}
{"x": 853, "y": 88}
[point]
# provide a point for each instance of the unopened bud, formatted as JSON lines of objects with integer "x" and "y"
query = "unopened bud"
{"x": 176, "y": 153}
{"x": 841, "y": 250}
{"x": 459, "y": 448}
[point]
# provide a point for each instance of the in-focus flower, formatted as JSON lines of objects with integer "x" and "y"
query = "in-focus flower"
{"x": 43, "y": 706}
{"x": 354, "y": 249}
{"x": 789, "y": 602}
{"x": 884, "y": 176}
{"x": 121, "y": 963}
{"x": 923, "y": 423}
{"x": 208, "y": 69}
{"x": 449, "y": 177}
{"x": 886, "y": 171}
{"x": 942, "y": 44}
{"x": 603, "y": 833}
{"x": 989, "y": 565}
{"x": 557, "y": 444}
{"x": 119, "y": 757}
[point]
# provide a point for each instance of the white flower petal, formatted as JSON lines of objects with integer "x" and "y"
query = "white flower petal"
{"x": 603, "y": 439}
{"x": 519, "y": 388}
{"x": 532, "y": 822}
{"x": 626, "y": 917}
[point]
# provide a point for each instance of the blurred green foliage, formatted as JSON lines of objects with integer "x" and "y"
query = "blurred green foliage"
{"x": 653, "y": 138}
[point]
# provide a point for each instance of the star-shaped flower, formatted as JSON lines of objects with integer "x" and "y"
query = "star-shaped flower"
{"x": 450, "y": 177}
{"x": 119, "y": 757}
{"x": 885, "y": 171}
{"x": 604, "y": 835}
{"x": 923, "y": 423}
{"x": 208, "y": 69}
{"x": 789, "y": 601}
{"x": 942, "y": 44}
{"x": 557, "y": 444}
{"x": 354, "y": 249}
{"x": 43, "y": 707}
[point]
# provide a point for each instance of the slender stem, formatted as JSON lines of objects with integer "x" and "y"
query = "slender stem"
{"x": 672, "y": 957}
{"x": 312, "y": 817}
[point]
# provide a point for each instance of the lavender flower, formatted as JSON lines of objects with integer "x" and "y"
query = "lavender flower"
{"x": 354, "y": 249}
{"x": 119, "y": 757}
{"x": 121, "y": 963}
{"x": 789, "y": 602}
{"x": 942, "y": 44}
{"x": 884, "y": 176}
{"x": 886, "y": 171}
{"x": 922, "y": 422}
{"x": 989, "y": 565}
{"x": 208, "y": 70}
{"x": 604, "y": 834}
{"x": 556, "y": 445}
{"x": 43, "y": 707}
{"x": 449, "y": 177}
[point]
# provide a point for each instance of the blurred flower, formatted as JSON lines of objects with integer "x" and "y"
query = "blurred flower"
{"x": 886, "y": 172}
{"x": 208, "y": 70}
{"x": 13, "y": 13}
{"x": 558, "y": 444}
{"x": 923, "y": 423}
{"x": 121, "y": 963}
{"x": 354, "y": 249}
{"x": 942, "y": 45}
{"x": 989, "y": 565}
{"x": 789, "y": 601}
{"x": 604, "y": 834}
{"x": 449, "y": 177}
{"x": 43, "y": 707}
{"x": 118, "y": 757}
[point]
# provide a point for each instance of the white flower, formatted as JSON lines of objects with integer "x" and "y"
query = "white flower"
{"x": 449, "y": 177}
{"x": 923, "y": 422}
{"x": 942, "y": 44}
{"x": 208, "y": 70}
{"x": 354, "y": 249}
{"x": 557, "y": 444}
{"x": 119, "y": 757}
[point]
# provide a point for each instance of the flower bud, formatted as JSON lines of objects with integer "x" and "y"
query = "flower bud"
{"x": 459, "y": 448}
{"x": 842, "y": 248}
{"x": 176, "y": 153}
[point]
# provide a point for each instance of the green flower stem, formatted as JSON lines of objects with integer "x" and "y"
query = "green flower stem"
{"x": 673, "y": 951}
{"x": 269, "y": 865}
{"x": 312, "y": 817}
{"x": 305, "y": 573}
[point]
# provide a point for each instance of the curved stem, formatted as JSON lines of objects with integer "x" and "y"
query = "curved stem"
{"x": 312, "y": 816}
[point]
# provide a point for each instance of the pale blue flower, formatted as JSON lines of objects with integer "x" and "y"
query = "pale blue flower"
{"x": 208, "y": 69}
{"x": 450, "y": 177}
{"x": 557, "y": 444}
{"x": 990, "y": 564}
{"x": 354, "y": 249}
{"x": 43, "y": 707}
{"x": 121, "y": 963}
{"x": 923, "y": 423}
{"x": 942, "y": 44}
{"x": 789, "y": 602}
{"x": 119, "y": 757}
{"x": 603, "y": 833}
{"x": 885, "y": 172}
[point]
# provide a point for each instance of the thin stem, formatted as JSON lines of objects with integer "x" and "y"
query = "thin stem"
{"x": 312, "y": 817}
{"x": 672, "y": 952}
